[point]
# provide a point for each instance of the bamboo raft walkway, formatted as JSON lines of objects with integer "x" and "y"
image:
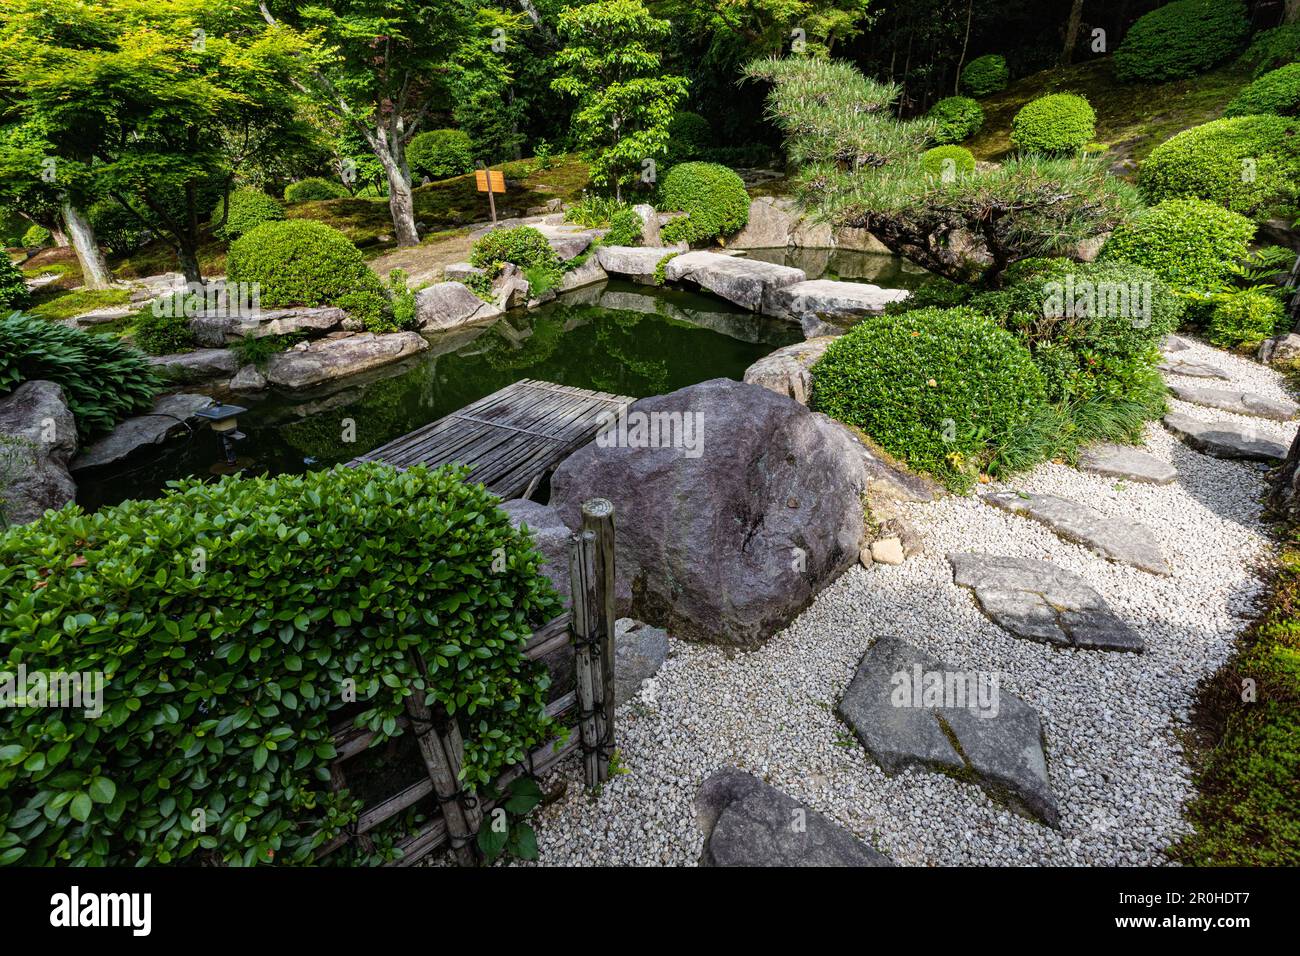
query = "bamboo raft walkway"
{"x": 510, "y": 439}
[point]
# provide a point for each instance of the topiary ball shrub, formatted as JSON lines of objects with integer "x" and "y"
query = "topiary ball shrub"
{"x": 236, "y": 620}
{"x": 14, "y": 293}
{"x": 713, "y": 198}
{"x": 1181, "y": 39}
{"x": 247, "y": 208}
{"x": 959, "y": 118}
{"x": 1242, "y": 320}
{"x": 1276, "y": 92}
{"x": 304, "y": 262}
{"x": 441, "y": 153}
{"x": 523, "y": 245}
{"x": 985, "y": 74}
{"x": 1058, "y": 123}
{"x": 950, "y": 160}
{"x": 625, "y": 227}
{"x": 36, "y": 237}
{"x": 1249, "y": 164}
{"x": 689, "y": 135}
{"x": 1189, "y": 243}
{"x": 313, "y": 189}
{"x": 1270, "y": 49}
{"x": 938, "y": 388}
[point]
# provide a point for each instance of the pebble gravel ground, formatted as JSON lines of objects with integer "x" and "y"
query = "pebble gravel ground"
{"x": 1112, "y": 721}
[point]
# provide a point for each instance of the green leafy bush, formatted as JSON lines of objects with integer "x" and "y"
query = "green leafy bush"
{"x": 1058, "y": 123}
{"x": 939, "y": 388}
{"x": 36, "y": 237}
{"x": 1189, "y": 243}
{"x": 935, "y": 161}
{"x": 1276, "y": 92}
{"x": 624, "y": 229}
{"x": 235, "y": 619}
{"x": 689, "y": 135}
{"x": 523, "y": 245}
{"x": 440, "y": 153}
{"x": 304, "y": 262}
{"x": 103, "y": 380}
{"x": 1273, "y": 48}
{"x": 1249, "y": 164}
{"x": 985, "y": 74}
{"x": 248, "y": 208}
{"x": 163, "y": 332}
{"x": 713, "y": 198}
{"x": 117, "y": 229}
{"x": 314, "y": 188}
{"x": 403, "y": 299}
{"x": 592, "y": 211}
{"x": 1244, "y": 319}
{"x": 1181, "y": 39}
{"x": 959, "y": 118}
{"x": 13, "y": 287}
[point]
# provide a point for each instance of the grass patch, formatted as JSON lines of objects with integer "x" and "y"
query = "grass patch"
{"x": 56, "y": 304}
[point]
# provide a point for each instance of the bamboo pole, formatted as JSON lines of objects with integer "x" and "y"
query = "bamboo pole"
{"x": 582, "y": 577}
{"x": 598, "y": 518}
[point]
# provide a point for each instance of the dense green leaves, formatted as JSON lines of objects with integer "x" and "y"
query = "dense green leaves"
{"x": 713, "y": 198}
{"x": 1190, "y": 244}
{"x": 1057, "y": 123}
{"x": 1181, "y": 39}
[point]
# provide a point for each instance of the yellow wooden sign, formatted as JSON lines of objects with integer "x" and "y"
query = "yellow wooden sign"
{"x": 498, "y": 180}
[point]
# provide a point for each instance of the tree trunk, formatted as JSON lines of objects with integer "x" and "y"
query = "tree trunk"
{"x": 401, "y": 203}
{"x": 58, "y": 235}
{"x": 1072, "y": 32}
{"x": 965, "y": 40}
{"x": 94, "y": 269}
{"x": 1291, "y": 13}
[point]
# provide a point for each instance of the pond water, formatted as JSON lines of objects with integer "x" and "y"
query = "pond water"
{"x": 891, "y": 272}
{"x": 616, "y": 337}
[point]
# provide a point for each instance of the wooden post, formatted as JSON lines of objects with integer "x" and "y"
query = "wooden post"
{"x": 598, "y": 518}
{"x": 582, "y": 581}
{"x": 591, "y": 573}
{"x": 492, "y": 202}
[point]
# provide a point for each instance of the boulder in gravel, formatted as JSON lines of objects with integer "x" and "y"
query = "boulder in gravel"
{"x": 639, "y": 651}
{"x": 170, "y": 416}
{"x": 1127, "y": 462}
{"x": 911, "y": 710}
{"x": 637, "y": 263}
{"x": 40, "y": 436}
{"x": 200, "y": 365}
{"x": 1224, "y": 440}
{"x": 1191, "y": 368}
{"x": 449, "y": 305}
{"x": 1283, "y": 350}
{"x": 734, "y": 507}
{"x": 1039, "y": 601}
{"x": 1235, "y": 400}
{"x": 747, "y": 822}
{"x": 788, "y": 370}
{"x": 1114, "y": 538}
{"x": 839, "y": 303}
{"x": 750, "y": 283}
{"x": 310, "y": 363}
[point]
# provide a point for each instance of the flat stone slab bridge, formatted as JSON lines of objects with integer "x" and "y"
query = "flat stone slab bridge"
{"x": 510, "y": 439}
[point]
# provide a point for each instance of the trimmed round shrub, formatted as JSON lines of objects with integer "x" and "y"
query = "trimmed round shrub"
{"x": 314, "y": 188}
{"x": 713, "y": 198}
{"x": 689, "y": 135}
{"x": 938, "y": 388}
{"x": 248, "y": 208}
{"x": 36, "y": 237}
{"x": 1276, "y": 92}
{"x": 440, "y": 153}
{"x": 985, "y": 74}
{"x": 1058, "y": 123}
{"x": 1189, "y": 243}
{"x": 523, "y": 245}
{"x": 1242, "y": 320}
{"x": 959, "y": 118}
{"x": 957, "y": 159}
{"x": 1273, "y": 48}
{"x": 304, "y": 262}
{"x": 14, "y": 294}
{"x": 1249, "y": 164}
{"x": 362, "y": 584}
{"x": 163, "y": 332}
{"x": 1181, "y": 39}
{"x": 625, "y": 227}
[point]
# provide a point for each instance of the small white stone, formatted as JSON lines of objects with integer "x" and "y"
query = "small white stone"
{"x": 887, "y": 551}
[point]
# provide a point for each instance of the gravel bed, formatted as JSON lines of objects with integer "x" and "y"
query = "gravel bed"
{"x": 1112, "y": 721}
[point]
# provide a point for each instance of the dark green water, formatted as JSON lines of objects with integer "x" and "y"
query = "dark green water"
{"x": 617, "y": 337}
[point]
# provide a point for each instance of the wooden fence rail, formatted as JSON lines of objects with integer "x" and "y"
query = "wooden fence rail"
{"x": 588, "y": 709}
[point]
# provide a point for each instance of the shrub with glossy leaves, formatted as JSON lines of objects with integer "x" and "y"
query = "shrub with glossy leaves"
{"x": 1189, "y": 243}
{"x": 440, "y": 153}
{"x": 950, "y": 159}
{"x": 1244, "y": 319}
{"x": 938, "y": 388}
{"x": 247, "y": 208}
{"x": 713, "y": 198}
{"x": 985, "y": 74}
{"x": 1057, "y": 123}
{"x": 13, "y": 286}
{"x": 1249, "y": 164}
{"x": 163, "y": 332}
{"x": 224, "y": 677}
{"x": 1276, "y": 92}
{"x": 959, "y": 118}
{"x": 1181, "y": 39}
{"x": 314, "y": 188}
{"x": 304, "y": 262}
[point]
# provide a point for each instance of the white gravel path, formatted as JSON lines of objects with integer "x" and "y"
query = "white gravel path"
{"x": 1112, "y": 721}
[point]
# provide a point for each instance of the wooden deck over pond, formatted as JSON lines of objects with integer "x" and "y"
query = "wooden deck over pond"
{"x": 509, "y": 439}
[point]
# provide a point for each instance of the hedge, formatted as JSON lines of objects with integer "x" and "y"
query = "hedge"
{"x": 233, "y": 620}
{"x": 985, "y": 74}
{"x": 1189, "y": 243}
{"x": 1270, "y": 49}
{"x": 1057, "y": 123}
{"x": 933, "y": 160}
{"x": 1181, "y": 39}
{"x": 958, "y": 117}
{"x": 1244, "y": 319}
{"x": 247, "y": 208}
{"x": 36, "y": 237}
{"x": 1276, "y": 92}
{"x": 440, "y": 153}
{"x": 712, "y": 196}
{"x": 314, "y": 188}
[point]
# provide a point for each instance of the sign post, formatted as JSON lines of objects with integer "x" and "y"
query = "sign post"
{"x": 490, "y": 181}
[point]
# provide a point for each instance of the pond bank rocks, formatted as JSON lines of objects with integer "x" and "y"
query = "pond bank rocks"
{"x": 200, "y": 365}
{"x": 310, "y": 363}
{"x": 216, "y": 329}
{"x": 449, "y": 305}
{"x": 42, "y": 437}
{"x": 171, "y": 415}
{"x": 749, "y": 283}
{"x": 839, "y": 303}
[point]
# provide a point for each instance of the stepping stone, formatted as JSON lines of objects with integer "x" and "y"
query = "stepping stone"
{"x": 102, "y": 316}
{"x": 1125, "y": 461}
{"x": 910, "y": 710}
{"x": 1039, "y": 601}
{"x": 1124, "y": 541}
{"x": 749, "y": 283}
{"x": 1175, "y": 343}
{"x": 1222, "y": 440}
{"x": 747, "y": 822}
{"x": 1191, "y": 368}
{"x": 1232, "y": 400}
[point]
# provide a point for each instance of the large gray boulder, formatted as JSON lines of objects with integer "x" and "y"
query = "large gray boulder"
{"x": 639, "y": 651}
{"x": 215, "y": 329}
{"x": 171, "y": 415}
{"x": 550, "y": 535}
{"x": 788, "y": 370}
{"x": 747, "y": 822}
{"x": 310, "y": 363}
{"x": 637, "y": 263}
{"x": 200, "y": 365}
{"x": 589, "y": 273}
{"x": 750, "y": 283}
{"x": 777, "y": 222}
{"x": 449, "y": 305}
{"x": 40, "y": 437}
{"x": 726, "y": 536}
{"x": 840, "y": 303}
